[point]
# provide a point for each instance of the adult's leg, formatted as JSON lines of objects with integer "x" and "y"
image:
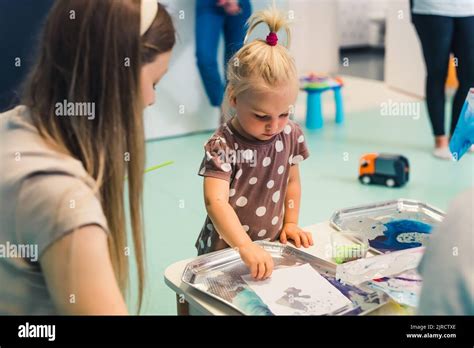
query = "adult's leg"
{"x": 463, "y": 48}
{"x": 234, "y": 34}
{"x": 235, "y": 29}
{"x": 435, "y": 33}
{"x": 209, "y": 25}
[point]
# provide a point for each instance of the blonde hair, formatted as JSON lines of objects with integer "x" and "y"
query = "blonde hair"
{"x": 258, "y": 64}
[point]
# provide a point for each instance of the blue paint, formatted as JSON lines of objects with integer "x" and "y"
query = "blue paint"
{"x": 393, "y": 229}
{"x": 250, "y": 303}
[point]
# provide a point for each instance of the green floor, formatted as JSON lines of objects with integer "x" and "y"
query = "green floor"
{"x": 173, "y": 204}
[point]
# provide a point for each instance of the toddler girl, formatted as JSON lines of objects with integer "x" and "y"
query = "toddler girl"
{"x": 251, "y": 177}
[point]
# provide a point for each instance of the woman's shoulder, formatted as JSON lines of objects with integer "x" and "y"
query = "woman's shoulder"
{"x": 24, "y": 153}
{"x": 49, "y": 192}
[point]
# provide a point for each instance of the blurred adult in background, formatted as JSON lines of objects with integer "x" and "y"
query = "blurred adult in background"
{"x": 445, "y": 27}
{"x": 214, "y": 18}
{"x": 448, "y": 264}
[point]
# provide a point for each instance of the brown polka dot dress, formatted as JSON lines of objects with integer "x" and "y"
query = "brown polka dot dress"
{"x": 257, "y": 172}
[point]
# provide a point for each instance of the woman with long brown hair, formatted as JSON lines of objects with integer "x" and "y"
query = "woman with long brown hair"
{"x": 68, "y": 152}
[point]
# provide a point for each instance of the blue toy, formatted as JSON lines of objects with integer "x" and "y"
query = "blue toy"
{"x": 315, "y": 86}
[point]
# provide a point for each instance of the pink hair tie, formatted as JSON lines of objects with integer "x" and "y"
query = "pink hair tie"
{"x": 272, "y": 39}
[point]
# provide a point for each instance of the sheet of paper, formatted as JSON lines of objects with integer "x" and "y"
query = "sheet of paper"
{"x": 298, "y": 291}
{"x": 404, "y": 288}
{"x": 359, "y": 271}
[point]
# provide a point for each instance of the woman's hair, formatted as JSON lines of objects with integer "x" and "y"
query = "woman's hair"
{"x": 258, "y": 64}
{"x": 92, "y": 51}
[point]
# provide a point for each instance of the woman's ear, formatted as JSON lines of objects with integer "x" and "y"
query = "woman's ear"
{"x": 232, "y": 101}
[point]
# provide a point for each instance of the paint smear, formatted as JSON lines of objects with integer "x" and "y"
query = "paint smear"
{"x": 401, "y": 234}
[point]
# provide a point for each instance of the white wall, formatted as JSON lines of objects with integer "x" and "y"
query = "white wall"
{"x": 315, "y": 37}
{"x": 314, "y": 46}
{"x": 181, "y": 89}
{"x": 356, "y": 21}
{"x": 353, "y": 23}
{"x": 404, "y": 65}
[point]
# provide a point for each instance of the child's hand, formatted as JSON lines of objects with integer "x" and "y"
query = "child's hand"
{"x": 293, "y": 232}
{"x": 257, "y": 260}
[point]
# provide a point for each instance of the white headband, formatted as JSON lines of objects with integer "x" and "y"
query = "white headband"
{"x": 149, "y": 9}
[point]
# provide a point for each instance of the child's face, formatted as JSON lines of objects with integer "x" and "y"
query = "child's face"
{"x": 263, "y": 114}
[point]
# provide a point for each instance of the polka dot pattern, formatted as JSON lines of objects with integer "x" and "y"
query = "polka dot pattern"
{"x": 266, "y": 161}
{"x": 297, "y": 159}
{"x": 276, "y": 197}
{"x": 258, "y": 182}
{"x": 226, "y": 167}
{"x": 279, "y": 146}
{"x": 247, "y": 154}
{"x": 241, "y": 202}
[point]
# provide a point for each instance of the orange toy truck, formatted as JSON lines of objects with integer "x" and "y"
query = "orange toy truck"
{"x": 384, "y": 169}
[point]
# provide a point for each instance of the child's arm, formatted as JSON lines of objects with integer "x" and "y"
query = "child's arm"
{"x": 227, "y": 224}
{"x": 290, "y": 228}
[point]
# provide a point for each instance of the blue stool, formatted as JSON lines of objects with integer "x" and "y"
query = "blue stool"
{"x": 315, "y": 86}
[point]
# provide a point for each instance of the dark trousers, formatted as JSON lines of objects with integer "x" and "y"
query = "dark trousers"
{"x": 440, "y": 36}
{"x": 211, "y": 22}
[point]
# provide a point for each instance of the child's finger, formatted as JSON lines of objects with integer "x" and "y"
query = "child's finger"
{"x": 297, "y": 240}
{"x": 269, "y": 269}
{"x": 283, "y": 238}
{"x": 304, "y": 239}
{"x": 261, "y": 270}
{"x": 310, "y": 238}
{"x": 254, "y": 270}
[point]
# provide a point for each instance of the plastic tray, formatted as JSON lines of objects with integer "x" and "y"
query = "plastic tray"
{"x": 373, "y": 221}
{"x": 219, "y": 275}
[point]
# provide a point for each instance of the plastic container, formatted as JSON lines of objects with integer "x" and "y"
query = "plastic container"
{"x": 348, "y": 246}
{"x": 463, "y": 137}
